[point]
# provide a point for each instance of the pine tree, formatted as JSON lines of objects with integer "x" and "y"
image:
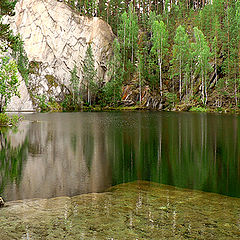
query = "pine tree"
{"x": 75, "y": 85}
{"x": 6, "y": 8}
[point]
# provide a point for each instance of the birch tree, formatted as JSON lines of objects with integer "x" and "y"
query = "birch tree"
{"x": 160, "y": 47}
{"x": 128, "y": 36}
{"x": 202, "y": 55}
{"x": 180, "y": 55}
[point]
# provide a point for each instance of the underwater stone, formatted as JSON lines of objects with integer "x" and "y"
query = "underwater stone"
{"x": 1, "y": 202}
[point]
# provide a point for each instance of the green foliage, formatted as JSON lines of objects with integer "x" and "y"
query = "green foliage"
{"x": 113, "y": 89}
{"x": 4, "y": 119}
{"x": 11, "y": 121}
{"x": 197, "y": 40}
{"x": 9, "y": 40}
{"x": 67, "y": 104}
{"x": 9, "y": 81}
{"x": 160, "y": 46}
{"x": 53, "y": 106}
{"x": 48, "y": 105}
{"x": 42, "y": 103}
{"x": 21, "y": 58}
{"x": 90, "y": 75}
{"x": 198, "y": 109}
{"x": 7, "y": 7}
{"x": 75, "y": 84}
{"x": 202, "y": 55}
{"x": 128, "y": 38}
{"x": 171, "y": 98}
{"x": 181, "y": 57}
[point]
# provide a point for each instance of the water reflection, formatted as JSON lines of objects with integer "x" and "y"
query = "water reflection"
{"x": 74, "y": 153}
{"x": 13, "y": 153}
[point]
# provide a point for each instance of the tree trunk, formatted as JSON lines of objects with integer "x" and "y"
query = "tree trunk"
{"x": 140, "y": 88}
{"x": 202, "y": 86}
{"x": 180, "y": 78}
{"x": 205, "y": 89}
{"x": 160, "y": 74}
{"x": 191, "y": 80}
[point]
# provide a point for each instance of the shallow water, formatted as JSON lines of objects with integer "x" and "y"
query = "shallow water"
{"x": 131, "y": 159}
{"x": 138, "y": 210}
{"x": 66, "y": 154}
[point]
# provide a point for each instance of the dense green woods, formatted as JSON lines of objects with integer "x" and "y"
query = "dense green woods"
{"x": 186, "y": 52}
{"x": 170, "y": 54}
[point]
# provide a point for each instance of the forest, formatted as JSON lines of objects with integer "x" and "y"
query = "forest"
{"x": 183, "y": 54}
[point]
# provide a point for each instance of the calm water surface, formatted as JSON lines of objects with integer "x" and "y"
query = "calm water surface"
{"x": 66, "y": 154}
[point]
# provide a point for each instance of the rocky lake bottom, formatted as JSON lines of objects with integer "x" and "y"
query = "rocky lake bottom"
{"x": 136, "y": 210}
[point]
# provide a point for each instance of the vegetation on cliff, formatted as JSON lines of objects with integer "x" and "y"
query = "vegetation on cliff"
{"x": 175, "y": 53}
{"x": 10, "y": 41}
{"x": 169, "y": 55}
{"x": 9, "y": 82}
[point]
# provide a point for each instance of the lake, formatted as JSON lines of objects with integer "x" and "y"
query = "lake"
{"x": 67, "y": 154}
{"x": 121, "y": 175}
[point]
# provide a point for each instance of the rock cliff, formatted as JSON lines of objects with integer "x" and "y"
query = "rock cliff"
{"x": 55, "y": 40}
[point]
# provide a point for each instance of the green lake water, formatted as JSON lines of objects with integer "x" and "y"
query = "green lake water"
{"x": 121, "y": 175}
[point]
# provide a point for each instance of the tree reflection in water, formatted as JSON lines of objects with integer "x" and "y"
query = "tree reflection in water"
{"x": 12, "y": 157}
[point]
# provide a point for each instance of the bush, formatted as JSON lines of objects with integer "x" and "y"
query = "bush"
{"x": 4, "y": 119}
{"x": 53, "y": 106}
{"x": 42, "y": 103}
{"x": 10, "y": 121}
{"x": 9, "y": 81}
{"x": 171, "y": 98}
{"x": 198, "y": 109}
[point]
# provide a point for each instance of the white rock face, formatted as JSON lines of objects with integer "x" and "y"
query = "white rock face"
{"x": 55, "y": 40}
{"x": 22, "y": 104}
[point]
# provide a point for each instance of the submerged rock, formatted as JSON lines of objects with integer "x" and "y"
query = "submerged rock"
{"x": 139, "y": 210}
{"x": 1, "y": 202}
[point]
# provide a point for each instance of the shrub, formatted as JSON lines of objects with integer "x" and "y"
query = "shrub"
{"x": 198, "y": 109}
{"x": 10, "y": 121}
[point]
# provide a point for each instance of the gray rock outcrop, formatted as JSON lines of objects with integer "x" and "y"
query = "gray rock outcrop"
{"x": 55, "y": 40}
